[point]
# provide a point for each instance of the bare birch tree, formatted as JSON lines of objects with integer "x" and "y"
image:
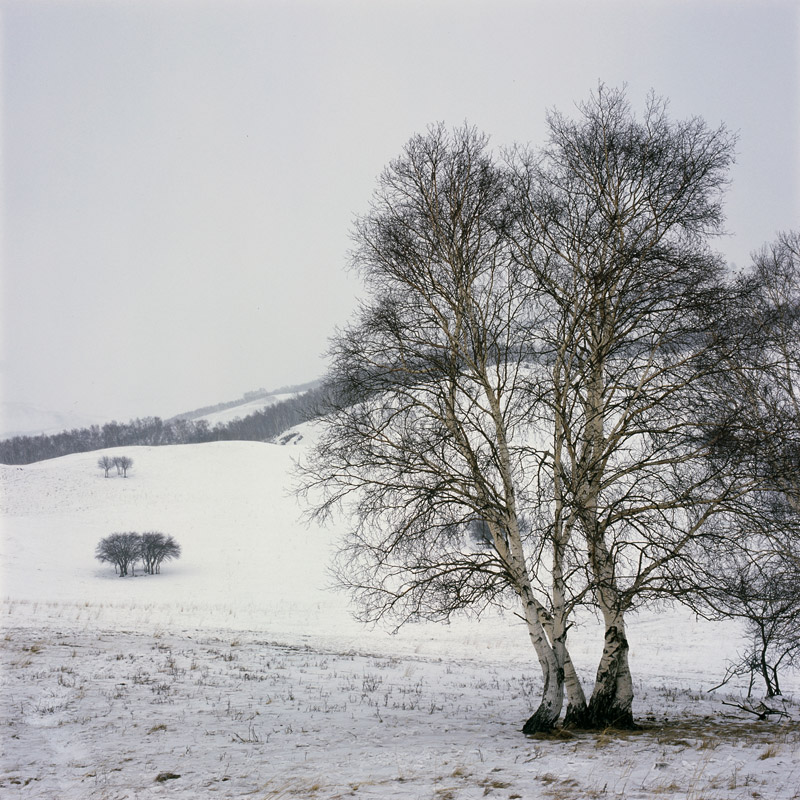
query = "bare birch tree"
{"x": 614, "y": 219}
{"x": 539, "y": 359}
{"x": 429, "y": 434}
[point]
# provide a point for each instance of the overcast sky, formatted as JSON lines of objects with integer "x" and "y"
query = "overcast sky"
{"x": 179, "y": 178}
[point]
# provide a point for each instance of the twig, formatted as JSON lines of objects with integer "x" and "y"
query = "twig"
{"x": 762, "y": 711}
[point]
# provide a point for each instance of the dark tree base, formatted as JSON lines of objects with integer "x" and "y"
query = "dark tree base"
{"x": 541, "y": 722}
{"x": 602, "y": 715}
{"x": 576, "y": 717}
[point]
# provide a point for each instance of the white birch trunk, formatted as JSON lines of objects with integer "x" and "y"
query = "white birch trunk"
{"x": 611, "y": 703}
{"x": 549, "y": 711}
{"x": 547, "y": 714}
{"x": 508, "y": 543}
{"x": 562, "y": 529}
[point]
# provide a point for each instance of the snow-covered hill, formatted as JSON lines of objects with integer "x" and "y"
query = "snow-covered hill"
{"x": 25, "y": 419}
{"x": 243, "y": 409}
{"x": 239, "y": 670}
{"x": 249, "y": 561}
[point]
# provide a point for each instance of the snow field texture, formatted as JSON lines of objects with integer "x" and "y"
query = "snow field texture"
{"x": 238, "y": 669}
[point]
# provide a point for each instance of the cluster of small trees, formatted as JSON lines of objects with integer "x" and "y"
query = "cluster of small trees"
{"x": 124, "y": 550}
{"x": 551, "y": 354}
{"x": 122, "y": 463}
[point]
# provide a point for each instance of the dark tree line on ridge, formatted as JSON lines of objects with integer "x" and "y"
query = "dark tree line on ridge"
{"x": 260, "y": 426}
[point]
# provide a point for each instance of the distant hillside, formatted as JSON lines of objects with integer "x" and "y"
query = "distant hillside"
{"x": 248, "y": 403}
{"x": 225, "y": 503}
{"x": 260, "y": 419}
{"x": 24, "y": 419}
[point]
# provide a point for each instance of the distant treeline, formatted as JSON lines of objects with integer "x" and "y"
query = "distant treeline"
{"x": 260, "y": 426}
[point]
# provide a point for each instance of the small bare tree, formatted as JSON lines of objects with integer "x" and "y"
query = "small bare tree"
{"x": 762, "y": 590}
{"x": 120, "y": 549}
{"x": 123, "y": 464}
{"x": 105, "y": 463}
{"x": 156, "y": 548}
{"x": 759, "y": 581}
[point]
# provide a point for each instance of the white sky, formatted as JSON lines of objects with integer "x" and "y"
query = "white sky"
{"x": 179, "y": 178}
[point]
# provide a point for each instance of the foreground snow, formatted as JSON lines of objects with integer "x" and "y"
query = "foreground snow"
{"x": 104, "y": 714}
{"x": 239, "y": 671}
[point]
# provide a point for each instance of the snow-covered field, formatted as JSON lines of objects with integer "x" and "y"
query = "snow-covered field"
{"x": 237, "y": 670}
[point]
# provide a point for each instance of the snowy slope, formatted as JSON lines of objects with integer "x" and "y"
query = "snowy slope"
{"x": 237, "y": 672}
{"x": 249, "y": 561}
{"x": 243, "y": 410}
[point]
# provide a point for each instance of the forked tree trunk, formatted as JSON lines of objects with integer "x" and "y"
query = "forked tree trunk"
{"x": 768, "y": 673}
{"x": 557, "y": 630}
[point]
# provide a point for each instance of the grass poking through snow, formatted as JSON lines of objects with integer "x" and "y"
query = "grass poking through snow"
{"x": 248, "y": 717}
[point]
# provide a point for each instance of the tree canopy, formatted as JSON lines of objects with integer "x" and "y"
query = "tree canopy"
{"x": 540, "y": 356}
